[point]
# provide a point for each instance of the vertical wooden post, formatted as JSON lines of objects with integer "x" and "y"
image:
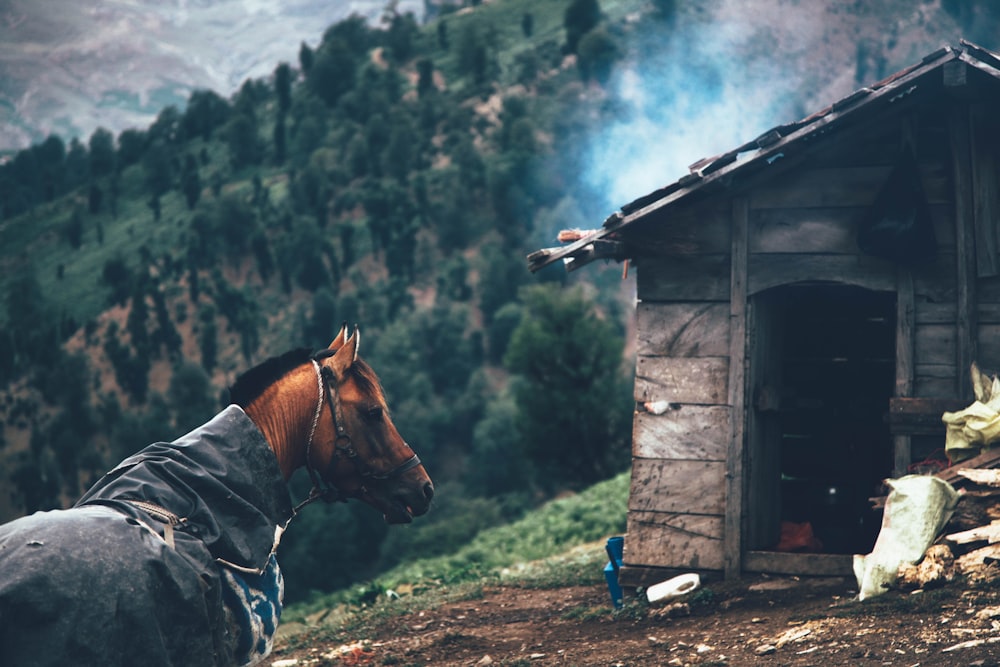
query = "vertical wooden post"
{"x": 965, "y": 250}
{"x": 735, "y": 484}
{"x": 984, "y": 185}
{"x": 905, "y": 327}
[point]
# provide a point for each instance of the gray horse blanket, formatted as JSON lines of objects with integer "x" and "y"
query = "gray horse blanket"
{"x": 109, "y": 583}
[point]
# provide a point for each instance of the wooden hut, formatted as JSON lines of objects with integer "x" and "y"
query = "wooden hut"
{"x": 809, "y": 304}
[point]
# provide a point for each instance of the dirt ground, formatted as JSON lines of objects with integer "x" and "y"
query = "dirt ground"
{"x": 759, "y": 621}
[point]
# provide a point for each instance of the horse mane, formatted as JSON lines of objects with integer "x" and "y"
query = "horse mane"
{"x": 252, "y": 383}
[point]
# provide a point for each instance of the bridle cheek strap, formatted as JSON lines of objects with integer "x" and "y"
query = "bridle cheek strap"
{"x": 322, "y": 487}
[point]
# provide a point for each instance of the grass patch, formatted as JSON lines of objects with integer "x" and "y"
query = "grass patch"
{"x": 559, "y": 544}
{"x": 519, "y": 551}
{"x": 585, "y": 613}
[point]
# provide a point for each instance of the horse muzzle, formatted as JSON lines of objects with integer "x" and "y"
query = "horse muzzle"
{"x": 406, "y": 501}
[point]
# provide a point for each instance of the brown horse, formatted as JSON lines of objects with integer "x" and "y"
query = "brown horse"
{"x": 170, "y": 558}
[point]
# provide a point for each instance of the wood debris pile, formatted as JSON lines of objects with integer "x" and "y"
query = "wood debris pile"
{"x": 969, "y": 545}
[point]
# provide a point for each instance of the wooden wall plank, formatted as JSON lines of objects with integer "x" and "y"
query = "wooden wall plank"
{"x": 736, "y": 485}
{"x": 934, "y": 380}
{"x": 685, "y": 541}
{"x": 702, "y": 229}
{"x": 682, "y": 329}
{"x": 690, "y": 487}
{"x": 825, "y": 230}
{"x": 699, "y": 380}
{"x": 693, "y": 432}
{"x": 988, "y": 313}
{"x": 773, "y": 270}
{"x": 935, "y": 282}
{"x": 829, "y": 565}
{"x": 695, "y": 278}
{"x": 988, "y": 290}
{"x": 843, "y": 187}
{"x": 808, "y": 230}
{"x": 934, "y": 344}
{"x": 988, "y": 346}
{"x": 929, "y": 312}
{"x": 823, "y": 187}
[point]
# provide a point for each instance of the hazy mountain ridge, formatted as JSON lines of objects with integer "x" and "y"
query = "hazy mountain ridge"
{"x": 68, "y": 67}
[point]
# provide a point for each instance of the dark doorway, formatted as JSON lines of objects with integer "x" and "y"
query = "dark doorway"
{"x": 822, "y": 370}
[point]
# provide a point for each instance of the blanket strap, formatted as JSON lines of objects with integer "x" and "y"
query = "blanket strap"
{"x": 168, "y": 518}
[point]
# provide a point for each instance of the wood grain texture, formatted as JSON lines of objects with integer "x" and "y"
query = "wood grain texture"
{"x": 934, "y": 344}
{"x": 682, "y": 329}
{"x": 736, "y": 484}
{"x": 690, "y": 487}
{"x": 697, "y": 380}
{"x": 773, "y": 270}
{"x": 692, "y": 432}
{"x": 838, "y": 187}
{"x": 829, "y": 565}
{"x": 694, "y": 278}
{"x": 685, "y": 541}
{"x": 826, "y": 230}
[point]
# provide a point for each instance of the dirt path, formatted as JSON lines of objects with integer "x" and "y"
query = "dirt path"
{"x": 759, "y": 622}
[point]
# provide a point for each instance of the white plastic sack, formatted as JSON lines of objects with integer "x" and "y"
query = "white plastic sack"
{"x": 915, "y": 512}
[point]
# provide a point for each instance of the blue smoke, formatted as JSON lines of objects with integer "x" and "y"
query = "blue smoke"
{"x": 685, "y": 95}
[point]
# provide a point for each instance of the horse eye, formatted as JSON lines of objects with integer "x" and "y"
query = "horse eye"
{"x": 373, "y": 414}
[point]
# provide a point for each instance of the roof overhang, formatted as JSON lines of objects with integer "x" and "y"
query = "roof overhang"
{"x": 767, "y": 149}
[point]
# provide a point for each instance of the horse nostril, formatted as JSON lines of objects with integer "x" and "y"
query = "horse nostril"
{"x": 428, "y": 491}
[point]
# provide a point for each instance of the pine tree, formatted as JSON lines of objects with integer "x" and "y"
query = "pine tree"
{"x": 573, "y": 401}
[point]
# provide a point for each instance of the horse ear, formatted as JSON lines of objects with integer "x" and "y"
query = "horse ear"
{"x": 346, "y": 355}
{"x": 341, "y": 338}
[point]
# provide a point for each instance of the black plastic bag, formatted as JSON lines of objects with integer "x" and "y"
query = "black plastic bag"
{"x": 898, "y": 225}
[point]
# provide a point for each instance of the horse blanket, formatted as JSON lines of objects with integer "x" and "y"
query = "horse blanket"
{"x": 111, "y": 583}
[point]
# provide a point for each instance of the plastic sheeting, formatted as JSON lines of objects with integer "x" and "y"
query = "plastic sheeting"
{"x": 977, "y": 427}
{"x": 916, "y": 510}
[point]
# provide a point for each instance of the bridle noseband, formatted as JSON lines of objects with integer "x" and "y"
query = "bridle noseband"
{"x": 343, "y": 447}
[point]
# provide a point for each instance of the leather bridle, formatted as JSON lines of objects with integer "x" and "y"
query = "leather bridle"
{"x": 343, "y": 447}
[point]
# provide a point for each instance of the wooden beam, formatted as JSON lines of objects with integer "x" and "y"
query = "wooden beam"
{"x": 599, "y": 249}
{"x": 965, "y": 249}
{"x": 905, "y": 326}
{"x": 988, "y": 459}
{"x": 735, "y": 483}
{"x": 776, "y": 269}
{"x": 776, "y": 562}
{"x": 633, "y": 576}
{"x": 919, "y": 416}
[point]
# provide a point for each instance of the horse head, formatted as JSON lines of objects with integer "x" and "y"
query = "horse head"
{"x": 357, "y": 448}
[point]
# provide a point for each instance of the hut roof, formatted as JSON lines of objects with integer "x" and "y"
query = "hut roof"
{"x": 780, "y": 143}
